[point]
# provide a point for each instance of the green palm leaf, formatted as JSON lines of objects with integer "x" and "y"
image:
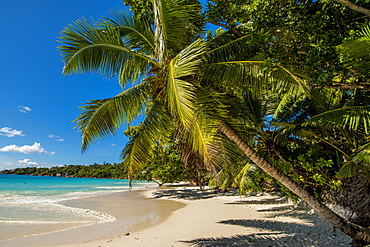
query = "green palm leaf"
{"x": 359, "y": 162}
{"x": 357, "y": 51}
{"x": 247, "y": 179}
{"x": 354, "y": 117}
{"x": 363, "y": 156}
{"x": 136, "y": 32}
{"x": 180, "y": 92}
{"x": 101, "y": 118}
{"x": 227, "y": 47}
{"x": 253, "y": 75}
{"x": 349, "y": 169}
{"x": 199, "y": 136}
{"x": 288, "y": 100}
{"x": 157, "y": 125}
{"x": 225, "y": 156}
{"x": 87, "y": 48}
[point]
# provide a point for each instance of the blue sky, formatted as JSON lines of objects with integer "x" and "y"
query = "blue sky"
{"x": 38, "y": 103}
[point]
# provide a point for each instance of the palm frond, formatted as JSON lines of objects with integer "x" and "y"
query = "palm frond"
{"x": 180, "y": 92}
{"x": 227, "y": 47}
{"x": 297, "y": 108}
{"x": 210, "y": 108}
{"x": 364, "y": 34}
{"x": 236, "y": 75}
{"x": 357, "y": 51}
{"x": 349, "y": 169}
{"x": 348, "y": 117}
{"x": 196, "y": 139}
{"x": 200, "y": 134}
{"x": 363, "y": 155}
{"x": 247, "y": 178}
{"x": 287, "y": 104}
{"x": 157, "y": 125}
{"x": 254, "y": 75}
{"x": 293, "y": 132}
{"x": 88, "y": 48}
{"x": 136, "y": 32}
{"x": 225, "y": 155}
{"x": 360, "y": 162}
{"x": 211, "y": 104}
{"x": 101, "y": 118}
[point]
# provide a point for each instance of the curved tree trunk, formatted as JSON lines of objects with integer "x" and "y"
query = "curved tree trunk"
{"x": 355, "y": 7}
{"x": 356, "y": 232}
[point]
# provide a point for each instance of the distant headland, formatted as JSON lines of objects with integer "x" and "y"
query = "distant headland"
{"x": 95, "y": 170}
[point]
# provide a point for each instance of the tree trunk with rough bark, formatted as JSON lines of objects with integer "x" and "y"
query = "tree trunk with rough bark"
{"x": 356, "y": 232}
{"x": 354, "y": 196}
{"x": 355, "y": 7}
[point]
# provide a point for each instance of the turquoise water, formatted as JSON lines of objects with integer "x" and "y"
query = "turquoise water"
{"x": 55, "y": 186}
{"x": 32, "y": 202}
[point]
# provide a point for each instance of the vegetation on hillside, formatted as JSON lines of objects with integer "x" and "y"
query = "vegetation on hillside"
{"x": 105, "y": 170}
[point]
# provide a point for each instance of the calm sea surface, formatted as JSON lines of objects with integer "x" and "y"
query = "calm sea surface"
{"x": 29, "y": 204}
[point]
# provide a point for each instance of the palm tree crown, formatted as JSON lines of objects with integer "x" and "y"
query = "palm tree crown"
{"x": 159, "y": 57}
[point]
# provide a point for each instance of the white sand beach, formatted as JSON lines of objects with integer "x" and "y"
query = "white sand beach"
{"x": 190, "y": 217}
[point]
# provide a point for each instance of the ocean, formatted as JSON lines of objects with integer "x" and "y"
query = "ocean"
{"x": 29, "y": 205}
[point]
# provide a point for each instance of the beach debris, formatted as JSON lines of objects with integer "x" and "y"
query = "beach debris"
{"x": 127, "y": 234}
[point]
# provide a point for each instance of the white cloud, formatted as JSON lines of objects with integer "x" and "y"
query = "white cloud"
{"x": 52, "y": 153}
{"x": 28, "y": 162}
{"x": 112, "y": 144}
{"x": 6, "y": 165}
{"x": 24, "y": 109}
{"x": 59, "y": 139}
{"x": 9, "y": 132}
{"x": 53, "y": 136}
{"x": 26, "y": 149}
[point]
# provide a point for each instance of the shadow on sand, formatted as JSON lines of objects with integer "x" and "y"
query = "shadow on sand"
{"x": 314, "y": 232}
{"x": 281, "y": 234}
{"x": 191, "y": 194}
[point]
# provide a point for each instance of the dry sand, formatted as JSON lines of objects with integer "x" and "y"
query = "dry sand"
{"x": 190, "y": 217}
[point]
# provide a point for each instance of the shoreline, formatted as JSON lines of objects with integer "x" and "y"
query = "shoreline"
{"x": 190, "y": 217}
{"x": 131, "y": 209}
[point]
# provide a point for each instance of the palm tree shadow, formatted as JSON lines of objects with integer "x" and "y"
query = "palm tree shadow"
{"x": 276, "y": 208}
{"x": 281, "y": 234}
{"x": 190, "y": 194}
{"x": 273, "y": 207}
{"x": 261, "y": 200}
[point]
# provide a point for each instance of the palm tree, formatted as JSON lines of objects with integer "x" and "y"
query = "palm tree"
{"x": 163, "y": 58}
{"x": 352, "y": 117}
{"x": 239, "y": 76}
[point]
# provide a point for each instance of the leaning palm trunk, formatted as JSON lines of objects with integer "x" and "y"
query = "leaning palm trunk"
{"x": 356, "y": 232}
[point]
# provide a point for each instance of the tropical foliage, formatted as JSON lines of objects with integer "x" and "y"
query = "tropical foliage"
{"x": 165, "y": 164}
{"x": 272, "y": 84}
